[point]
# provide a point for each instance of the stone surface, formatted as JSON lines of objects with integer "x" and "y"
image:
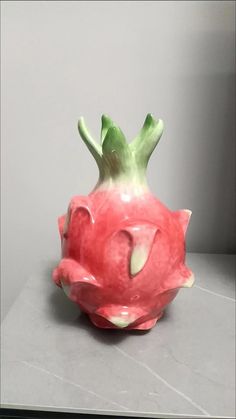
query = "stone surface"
{"x": 54, "y": 358}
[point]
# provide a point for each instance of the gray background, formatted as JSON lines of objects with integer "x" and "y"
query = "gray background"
{"x": 61, "y": 60}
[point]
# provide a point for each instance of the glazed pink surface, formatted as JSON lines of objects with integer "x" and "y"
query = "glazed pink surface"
{"x": 101, "y": 235}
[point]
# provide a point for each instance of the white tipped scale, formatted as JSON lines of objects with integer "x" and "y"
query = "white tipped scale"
{"x": 183, "y": 216}
{"x": 189, "y": 283}
{"x": 66, "y": 289}
{"x": 138, "y": 259}
{"x": 142, "y": 236}
{"x": 120, "y": 322}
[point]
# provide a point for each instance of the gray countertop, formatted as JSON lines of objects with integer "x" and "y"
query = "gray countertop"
{"x": 54, "y": 358}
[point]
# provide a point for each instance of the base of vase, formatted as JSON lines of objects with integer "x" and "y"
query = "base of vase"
{"x": 102, "y": 323}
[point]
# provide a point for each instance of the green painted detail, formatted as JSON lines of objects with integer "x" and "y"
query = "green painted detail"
{"x": 138, "y": 259}
{"x": 117, "y": 160}
{"x": 94, "y": 148}
{"x": 146, "y": 141}
{"x": 106, "y": 124}
{"x": 119, "y": 322}
{"x": 116, "y": 152}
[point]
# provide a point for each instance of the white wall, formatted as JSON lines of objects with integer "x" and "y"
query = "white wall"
{"x": 61, "y": 60}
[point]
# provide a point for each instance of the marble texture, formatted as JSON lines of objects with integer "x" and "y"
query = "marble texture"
{"x": 54, "y": 358}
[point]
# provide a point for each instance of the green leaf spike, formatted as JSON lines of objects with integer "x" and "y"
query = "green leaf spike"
{"x": 93, "y": 147}
{"x": 106, "y": 124}
{"x": 116, "y": 159}
{"x": 146, "y": 141}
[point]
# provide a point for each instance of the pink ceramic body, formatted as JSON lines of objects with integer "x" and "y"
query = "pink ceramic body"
{"x": 100, "y": 235}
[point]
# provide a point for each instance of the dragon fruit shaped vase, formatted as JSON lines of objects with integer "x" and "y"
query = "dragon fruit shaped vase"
{"x": 123, "y": 251}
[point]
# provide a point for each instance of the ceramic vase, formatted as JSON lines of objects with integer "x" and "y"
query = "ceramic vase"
{"x": 123, "y": 251}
